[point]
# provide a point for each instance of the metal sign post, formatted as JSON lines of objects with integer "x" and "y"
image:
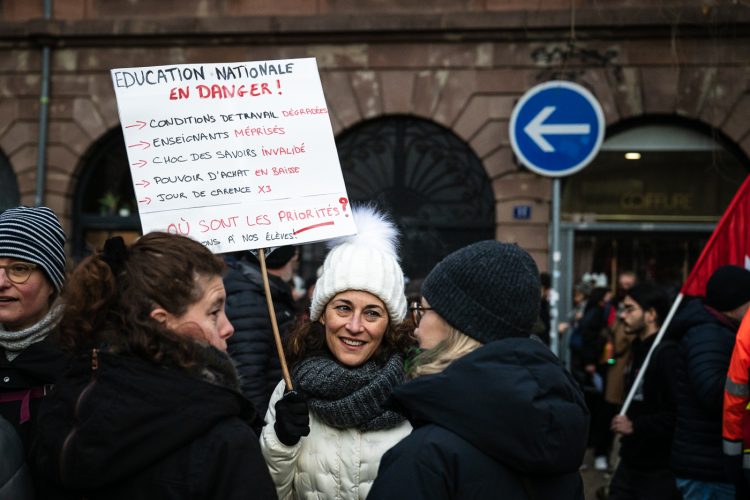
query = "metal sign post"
{"x": 555, "y": 268}
{"x": 556, "y": 129}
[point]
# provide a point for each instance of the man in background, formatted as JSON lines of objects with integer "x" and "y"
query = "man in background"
{"x": 643, "y": 471}
{"x": 253, "y": 347}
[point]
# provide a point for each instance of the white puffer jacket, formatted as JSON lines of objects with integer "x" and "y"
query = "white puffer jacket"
{"x": 330, "y": 463}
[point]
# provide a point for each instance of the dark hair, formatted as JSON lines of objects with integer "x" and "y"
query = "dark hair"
{"x": 597, "y": 295}
{"x": 276, "y": 259}
{"x": 159, "y": 270}
{"x": 309, "y": 338}
{"x": 545, "y": 279}
{"x": 649, "y": 295}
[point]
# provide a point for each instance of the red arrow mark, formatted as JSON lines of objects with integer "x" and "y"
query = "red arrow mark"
{"x": 142, "y": 144}
{"x": 143, "y": 183}
{"x": 138, "y": 123}
{"x": 139, "y": 163}
{"x": 146, "y": 200}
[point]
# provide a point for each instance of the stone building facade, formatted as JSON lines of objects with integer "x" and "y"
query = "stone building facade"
{"x": 460, "y": 64}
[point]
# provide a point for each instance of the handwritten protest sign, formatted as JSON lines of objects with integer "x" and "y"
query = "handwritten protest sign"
{"x": 237, "y": 156}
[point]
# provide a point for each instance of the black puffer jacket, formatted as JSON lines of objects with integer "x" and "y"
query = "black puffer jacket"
{"x": 653, "y": 409}
{"x": 133, "y": 429}
{"x": 704, "y": 353}
{"x": 506, "y": 421}
{"x": 252, "y": 346}
{"x": 15, "y": 479}
{"x": 39, "y": 365}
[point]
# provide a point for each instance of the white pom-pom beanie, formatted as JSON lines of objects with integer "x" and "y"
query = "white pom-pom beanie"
{"x": 366, "y": 262}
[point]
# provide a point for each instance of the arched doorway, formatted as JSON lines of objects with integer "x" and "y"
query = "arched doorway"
{"x": 649, "y": 201}
{"x": 9, "y": 195}
{"x": 426, "y": 178}
{"x": 104, "y": 203}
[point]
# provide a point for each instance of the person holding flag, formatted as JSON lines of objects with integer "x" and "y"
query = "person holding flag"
{"x": 643, "y": 471}
{"x": 729, "y": 245}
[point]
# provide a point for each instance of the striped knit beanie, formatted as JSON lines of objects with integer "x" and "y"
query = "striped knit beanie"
{"x": 35, "y": 235}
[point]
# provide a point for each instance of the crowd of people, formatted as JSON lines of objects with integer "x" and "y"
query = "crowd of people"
{"x": 670, "y": 436}
{"x": 151, "y": 370}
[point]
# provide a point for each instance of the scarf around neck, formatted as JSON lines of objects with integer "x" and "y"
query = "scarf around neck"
{"x": 15, "y": 342}
{"x": 344, "y": 397}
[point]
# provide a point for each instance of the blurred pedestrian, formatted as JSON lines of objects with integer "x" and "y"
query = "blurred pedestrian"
{"x": 151, "y": 407}
{"x": 571, "y": 332}
{"x": 253, "y": 346}
{"x": 32, "y": 273}
{"x": 545, "y": 281}
{"x": 643, "y": 471}
{"x": 596, "y": 337}
{"x": 706, "y": 330}
{"x": 495, "y": 413}
{"x": 325, "y": 439}
{"x": 614, "y": 390}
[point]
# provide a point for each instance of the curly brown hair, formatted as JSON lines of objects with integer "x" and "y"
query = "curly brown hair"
{"x": 159, "y": 269}
{"x": 309, "y": 337}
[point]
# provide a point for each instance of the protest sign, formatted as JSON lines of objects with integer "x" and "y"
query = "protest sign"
{"x": 235, "y": 155}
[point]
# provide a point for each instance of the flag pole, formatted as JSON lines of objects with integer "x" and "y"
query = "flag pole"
{"x": 700, "y": 270}
{"x": 272, "y": 314}
{"x": 642, "y": 371}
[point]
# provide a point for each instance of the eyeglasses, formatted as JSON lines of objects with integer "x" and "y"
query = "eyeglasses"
{"x": 19, "y": 272}
{"x": 627, "y": 309}
{"x": 417, "y": 311}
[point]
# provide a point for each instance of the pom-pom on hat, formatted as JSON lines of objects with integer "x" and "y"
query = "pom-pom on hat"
{"x": 728, "y": 288}
{"x": 488, "y": 290}
{"x": 367, "y": 262}
{"x": 35, "y": 235}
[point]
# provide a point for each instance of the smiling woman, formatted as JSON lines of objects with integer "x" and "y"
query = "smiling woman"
{"x": 345, "y": 362}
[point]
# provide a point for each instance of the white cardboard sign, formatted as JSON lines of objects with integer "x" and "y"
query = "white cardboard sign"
{"x": 237, "y": 155}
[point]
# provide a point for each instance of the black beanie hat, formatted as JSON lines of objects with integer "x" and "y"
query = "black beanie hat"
{"x": 487, "y": 290}
{"x": 728, "y": 288}
{"x": 276, "y": 259}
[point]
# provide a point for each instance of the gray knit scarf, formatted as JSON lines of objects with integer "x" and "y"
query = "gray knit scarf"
{"x": 347, "y": 398}
{"x": 15, "y": 342}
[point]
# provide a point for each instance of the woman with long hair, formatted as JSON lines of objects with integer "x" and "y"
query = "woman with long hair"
{"x": 325, "y": 439}
{"x": 151, "y": 407}
{"x": 495, "y": 414}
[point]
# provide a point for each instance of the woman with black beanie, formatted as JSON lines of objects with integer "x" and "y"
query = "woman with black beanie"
{"x": 495, "y": 414}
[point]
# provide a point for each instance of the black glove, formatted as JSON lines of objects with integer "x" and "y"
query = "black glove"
{"x": 292, "y": 418}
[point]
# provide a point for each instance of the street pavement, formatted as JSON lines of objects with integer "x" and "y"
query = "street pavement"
{"x": 594, "y": 481}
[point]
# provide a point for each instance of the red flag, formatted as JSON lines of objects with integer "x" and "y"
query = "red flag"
{"x": 729, "y": 243}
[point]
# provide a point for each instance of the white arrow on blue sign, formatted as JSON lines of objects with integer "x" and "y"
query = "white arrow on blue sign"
{"x": 557, "y": 128}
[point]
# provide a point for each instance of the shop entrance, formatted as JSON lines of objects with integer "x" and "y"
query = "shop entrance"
{"x": 662, "y": 253}
{"x": 647, "y": 204}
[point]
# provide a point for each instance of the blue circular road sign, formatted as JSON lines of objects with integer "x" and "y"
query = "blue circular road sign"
{"x": 557, "y": 128}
